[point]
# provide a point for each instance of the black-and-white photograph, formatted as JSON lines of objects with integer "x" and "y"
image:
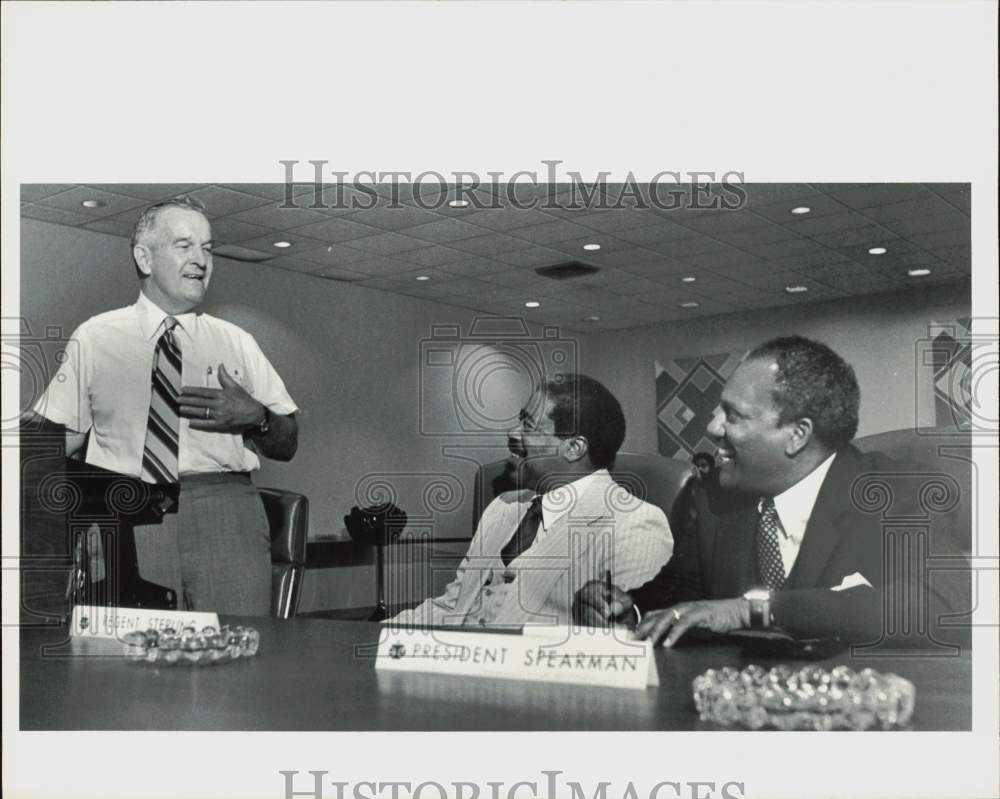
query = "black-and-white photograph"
{"x": 631, "y": 457}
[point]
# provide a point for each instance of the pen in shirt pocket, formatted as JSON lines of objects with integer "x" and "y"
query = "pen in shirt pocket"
{"x": 208, "y": 377}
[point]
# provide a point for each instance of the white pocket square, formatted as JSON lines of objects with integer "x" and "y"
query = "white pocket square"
{"x": 852, "y": 581}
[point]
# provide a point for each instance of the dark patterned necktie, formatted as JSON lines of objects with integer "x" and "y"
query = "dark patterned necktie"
{"x": 159, "y": 455}
{"x": 525, "y": 534}
{"x": 770, "y": 567}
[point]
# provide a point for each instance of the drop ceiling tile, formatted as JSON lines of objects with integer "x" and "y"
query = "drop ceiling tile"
{"x": 265, "y": 243}
{"x": 870, "y": 195}
{"x": 895, "y": 247}
{"x": 816, "y": 258}
{"x": 516, "y": 278}
{"x": 278, "y": 217}
{"x": 389, "y": 218}
{"x": 781, "y": 211}
{"x": 532, "y": 257}
{"x": 942, "y": 238}
{"x": 387, "y": 243}
{"x": 952, "y": 220}
{"x": 470, "y": 266}
{"x": 507, "y": 219}
{"x": 811, "y": 227}
{"x": 574, "y": 247}
{"x": 491, "y": 245}
{"x": 660, "y": 267}
{"x": 723, "y": 221}
{"x": 550, "y": 232}
{"x": 32, "y": 192}
{"x": 437, "y": 255}
{"x": 956, "y": 255}
{"x": 381, "y": 267}
{"x": 928, "y": 205}
{"x": 57, "y": 215}
{"x": 445, "y": 231}
{"x": 340, "y": 275}
{"x": 784, "y": 249}
{"x": 959, "y": 199}
{"x": 453, "y": 285}
{"x": 819, "y": 272}
{"x": 333, "y": 255}
{"x": 229, "y": 231}
{"x": 664, "y": 230}
{"x": 636, "y": 286}
{"x": 697, "y": 245}
{"x": 612, "y": 221}
{"x": 115, "y": 227}
{"x": 151, "y": 192}
{"x": 223, "y": 202}
{"x": 870, "y": 234}
{"x": 71, "y": 201}
{"x": 335, "y": 231}
{"x": 853, "y": 284}
{"x": 624, "y": 259}
{"x": 723, "y": 260}
{"x": 766, "y": 233}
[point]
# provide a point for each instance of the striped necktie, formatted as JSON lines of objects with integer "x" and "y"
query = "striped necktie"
{"x": 159, "y": 455}
{"x": 525, "y": 534}
{"x": 770, "y": 566}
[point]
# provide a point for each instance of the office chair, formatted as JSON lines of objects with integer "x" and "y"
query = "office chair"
{"x": 288, "y": 518}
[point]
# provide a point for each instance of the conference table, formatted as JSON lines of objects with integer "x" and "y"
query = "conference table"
{"x": 315, "y": 674}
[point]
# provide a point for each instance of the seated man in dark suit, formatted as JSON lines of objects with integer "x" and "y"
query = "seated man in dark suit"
{"x": 781, "y": 541}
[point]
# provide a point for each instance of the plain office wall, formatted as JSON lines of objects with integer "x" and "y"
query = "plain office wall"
{"x": 878, "y": 335}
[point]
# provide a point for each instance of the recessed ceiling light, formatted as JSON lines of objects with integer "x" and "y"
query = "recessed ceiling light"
{"x": 877, "y": 251}
{"x": 688, "y": 279}
{"x": 458, "y": 203}
{"x": 422, "y": 277}
{"x": 796, "y": 289}
{"x": 532, "y": 304}
{"x": 92, "y": 204}
{"x": 591, "y": 319}
{"x": 918, "y": 272}
{"x": 591, "y": 247}
{"x": 801, "y": 209}
{"x": 689, "y": 304}
{"x": 282, "y": 245}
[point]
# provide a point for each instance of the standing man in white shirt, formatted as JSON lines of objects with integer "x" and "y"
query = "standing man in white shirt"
{"x": 781, "y": 541}
{"x": 571, "y": 523}
{"x": 161, "y": 392}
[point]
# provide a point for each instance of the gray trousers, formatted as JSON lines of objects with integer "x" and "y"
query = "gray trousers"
{"x": 215, "y": 552}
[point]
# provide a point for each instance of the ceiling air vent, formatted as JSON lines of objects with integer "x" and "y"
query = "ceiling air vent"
{"x": 566, "y": 271}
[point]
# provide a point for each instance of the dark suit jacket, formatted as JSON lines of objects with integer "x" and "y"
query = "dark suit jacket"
{"x": 714, "y": 557}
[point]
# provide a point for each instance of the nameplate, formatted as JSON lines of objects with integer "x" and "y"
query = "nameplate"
{"x": 95, "y": 621}
{"x": 588, "y": 657}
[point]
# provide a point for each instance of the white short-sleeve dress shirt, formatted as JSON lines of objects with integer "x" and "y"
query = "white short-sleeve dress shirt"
{"x": 103, "y": 386}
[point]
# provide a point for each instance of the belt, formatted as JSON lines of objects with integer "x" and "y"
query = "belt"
{"x": 210, "y": 478}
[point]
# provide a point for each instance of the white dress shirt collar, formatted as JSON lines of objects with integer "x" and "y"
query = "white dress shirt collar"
{"x": 794, "y": 506}
{"x": 151, "y": 317}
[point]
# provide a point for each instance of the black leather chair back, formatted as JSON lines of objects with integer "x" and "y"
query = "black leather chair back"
{"x": 288, "y": 518}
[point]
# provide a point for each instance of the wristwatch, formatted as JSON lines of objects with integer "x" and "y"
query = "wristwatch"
{"x": 262, "y": 427}
{"x": 760, "y": 608}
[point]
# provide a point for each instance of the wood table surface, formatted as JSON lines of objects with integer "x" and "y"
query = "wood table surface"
{"x": 314, "y": 674}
